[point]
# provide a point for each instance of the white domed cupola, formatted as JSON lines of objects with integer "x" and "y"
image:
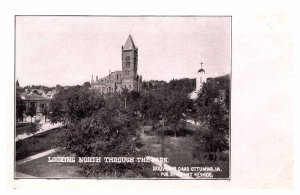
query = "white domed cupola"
{"x": 201, "y": 78}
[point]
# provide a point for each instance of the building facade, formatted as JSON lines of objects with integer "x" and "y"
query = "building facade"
{"x": 35, "y": 98}
{"x": 200, "y": 80}
{"x": 127, "y": 78}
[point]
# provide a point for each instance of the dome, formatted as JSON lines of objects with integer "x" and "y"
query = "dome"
{"x": 201, "y": 70}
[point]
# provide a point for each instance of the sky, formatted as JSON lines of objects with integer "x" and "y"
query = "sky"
{"x": 68, "y": 50}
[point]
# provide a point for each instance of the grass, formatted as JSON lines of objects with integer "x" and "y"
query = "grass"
{"x": 27, "y": 128}
{"x": 178, "y": 150}
{"x": 22, "y": 124}
{"x": 38, "y": 143}
{"x": 42, "y": 168}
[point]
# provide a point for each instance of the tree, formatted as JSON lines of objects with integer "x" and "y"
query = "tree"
{"x": 75, "y": 103}
{"x": 20, "y": 107}
{"x": 109, "y": 132}
{"x": 177, "y": 105}
{"x": 183, "y": 86}
{"x": 152, "y": 107}
{"x": 87, "y": 84}
{"x": 213, "y": 134}
{"x": 45, "y": 111}
{"x": 31, "y": 111}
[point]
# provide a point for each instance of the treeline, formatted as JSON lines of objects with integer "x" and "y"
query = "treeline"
{"x": 185, "y": 85}
{"x": 46, "y": 89}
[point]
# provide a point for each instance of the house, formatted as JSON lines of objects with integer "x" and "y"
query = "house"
{"x": 35, "y": 98}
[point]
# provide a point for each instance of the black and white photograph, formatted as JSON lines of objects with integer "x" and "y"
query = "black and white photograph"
{"x": 122, "y": 97}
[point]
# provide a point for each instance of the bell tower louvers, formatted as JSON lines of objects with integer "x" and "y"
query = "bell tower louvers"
{"x": 129, "y": 65}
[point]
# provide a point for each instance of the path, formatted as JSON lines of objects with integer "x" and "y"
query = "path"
{"x": 44, "y": 127}
{"x": 192, "y": 122}
{"x": 36, "y": 156}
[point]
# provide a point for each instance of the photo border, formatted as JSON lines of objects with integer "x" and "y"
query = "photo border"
{"x": 101, "y": 178}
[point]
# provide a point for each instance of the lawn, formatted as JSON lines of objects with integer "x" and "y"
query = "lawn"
{"x": 179, "y": 152}
{"x": 177, "y": 149}
{"x": 27, "y": 128}
{"x": 42, "y": 168}
{"x": 38, "y": 143}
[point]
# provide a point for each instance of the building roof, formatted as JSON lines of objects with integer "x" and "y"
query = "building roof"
{"x": 34, "y": 94}
{"x": 51, "y": 93}
{"x": 129, "y": 44}
{"x": 201, "y": 70}
{"x": 112, "y": 76}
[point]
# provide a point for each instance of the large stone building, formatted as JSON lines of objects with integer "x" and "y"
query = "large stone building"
{"x": 127, "y": 78}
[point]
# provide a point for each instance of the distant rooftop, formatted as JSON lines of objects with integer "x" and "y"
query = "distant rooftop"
{"x": 34, "y": 94}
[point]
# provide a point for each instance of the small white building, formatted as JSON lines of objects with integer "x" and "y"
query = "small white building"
{"x": 200, "y": 80}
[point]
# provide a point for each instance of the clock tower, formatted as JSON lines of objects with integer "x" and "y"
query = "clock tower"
{"x": 129, "y": 65}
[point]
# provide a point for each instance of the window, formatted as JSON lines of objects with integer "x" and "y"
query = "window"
{"x": 129, "y": 87}
{"x": 127, "y": 64}
{"x": 127, "y": 72}
{"x": 42, "y": 106}
{"x": 32, "y": 104}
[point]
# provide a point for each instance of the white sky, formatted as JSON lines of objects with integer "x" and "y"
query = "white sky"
{"x": 67, "y": 50}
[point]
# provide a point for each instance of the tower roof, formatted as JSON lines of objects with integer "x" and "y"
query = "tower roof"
{"x": 129, "y": 44}
{"x": 201, "y": 70}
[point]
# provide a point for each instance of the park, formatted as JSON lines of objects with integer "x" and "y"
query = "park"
{"x": 160, "y": 121}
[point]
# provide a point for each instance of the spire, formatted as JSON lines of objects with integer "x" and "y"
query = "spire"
{"x": 129, "y": 43}
{"x": 17, "y": 83}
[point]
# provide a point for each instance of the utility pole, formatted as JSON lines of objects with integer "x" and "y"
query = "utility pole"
{"x": 125, "y": 101}
{"x": 163, "y": 138}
